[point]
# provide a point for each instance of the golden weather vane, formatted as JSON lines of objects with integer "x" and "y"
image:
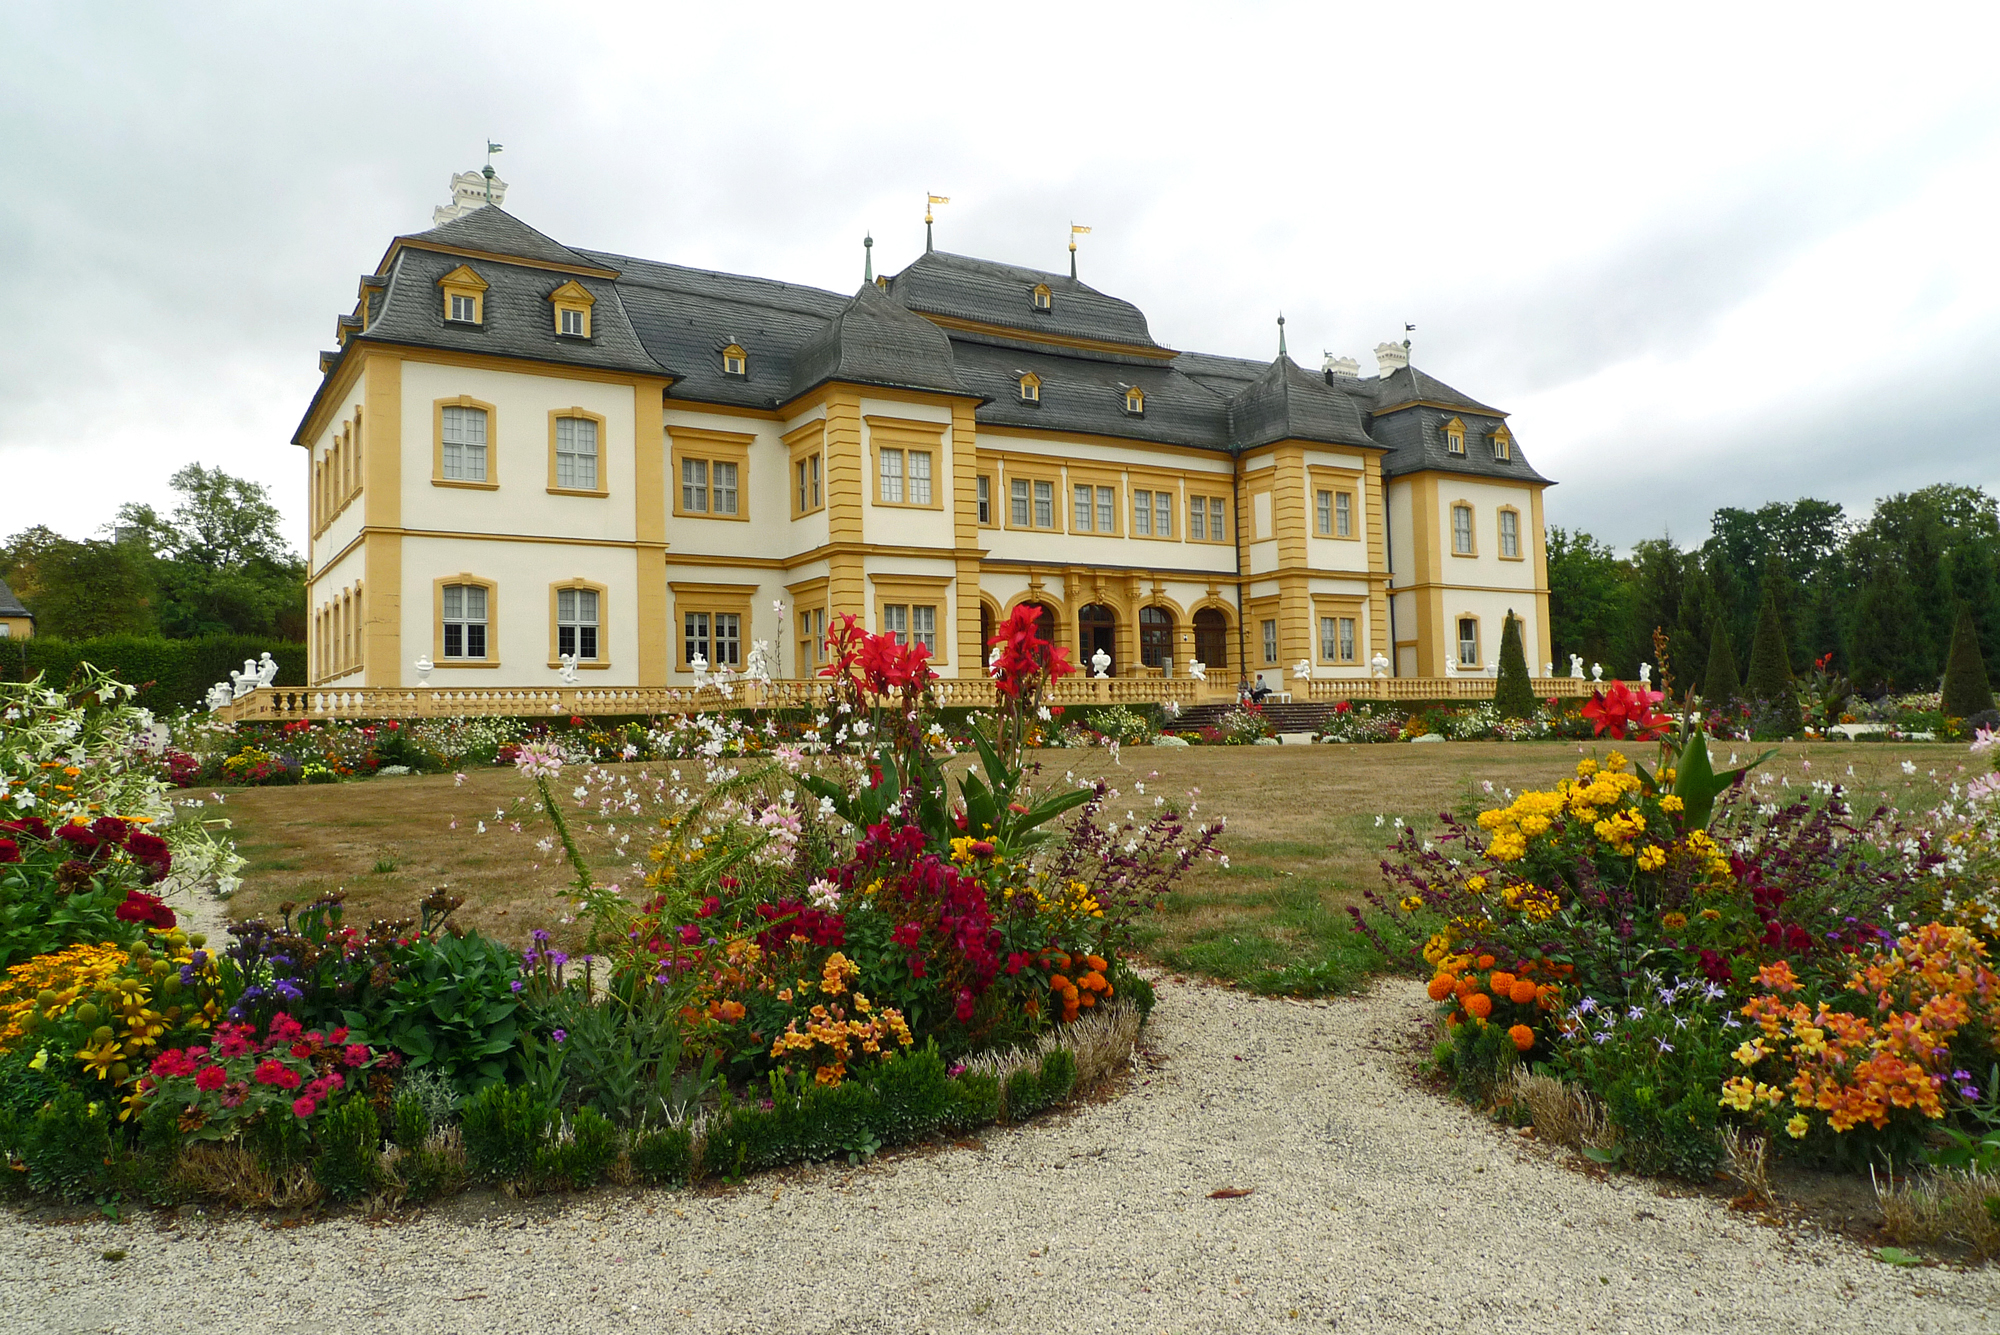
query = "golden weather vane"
{"x": 929, "y": 200}
{"x": 1075, "y": 231}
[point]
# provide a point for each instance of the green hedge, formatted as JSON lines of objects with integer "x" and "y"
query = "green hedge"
{"x": 169, "y": 672}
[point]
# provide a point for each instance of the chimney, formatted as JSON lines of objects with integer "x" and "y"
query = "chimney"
{"x": 1391, "y": 357}
{"x": 1344, "y": 368}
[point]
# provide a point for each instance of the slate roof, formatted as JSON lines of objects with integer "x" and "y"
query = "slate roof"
{"x": 672, "y": 321}
{"x": 11, "y": 606}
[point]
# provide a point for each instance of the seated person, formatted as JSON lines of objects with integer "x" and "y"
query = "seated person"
{"x": 1259, "y": 691}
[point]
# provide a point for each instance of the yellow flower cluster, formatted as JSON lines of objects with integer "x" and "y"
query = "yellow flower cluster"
{"x": 1742, "y": 1093}
{"x": 830, "y": 1028}
{"x": 72, "y": 975}
{"x": 1073, "y": 900}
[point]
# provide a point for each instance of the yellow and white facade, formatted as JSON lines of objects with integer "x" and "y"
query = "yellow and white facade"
{"x": 523, "y": 454}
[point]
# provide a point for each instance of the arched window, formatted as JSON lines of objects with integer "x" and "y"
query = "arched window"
{"x": 1211, "y": 638}
{"x": 1096, "y": 628}
{"x": 1156, "y": 636}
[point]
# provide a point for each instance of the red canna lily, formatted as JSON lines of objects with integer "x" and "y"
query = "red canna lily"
{"x": 1624, "y": 712}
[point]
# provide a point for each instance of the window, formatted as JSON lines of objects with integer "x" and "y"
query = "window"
{"x": 464, "y": 612}
{"x": 1045, "y": 505}
{"x": 1031, "y": 389}
{"x": 920, "y": 478}
{"x": 1336, "y": 639}
{"x": 1510, "y": 534}
{"x": 694, "y": 486}
{"x": 1343, "y": 515}
{"x": 464, "y": 444}
{"x": 713, "y": 468}
{"x": 1270, "y": 641}
{"x": 1468, "y": 642}
{"x": 892, "y": 477}
{"x": 1107, "y": 509}
{"x": 911, "y": 623}
{"x": 806, "y": 476}
{"x": 576, "y": 453}
{"x": 812, "y": 637}
{"x": 983, "y": 493}
{"x": 1461, "y": 530}
{"x": 722, "y": 491}
{"x": 1205, "y": 519}
{"x": 1454, "y": 436}
{"x": 1502, "y": 445}
{"x": 896, "y": 622}
{"x": 1031, "y": 503}
{"x": 465, "y": 307}
{"x": 1163, "y": 514}
{"x": 572, "y": 302}
{"x": 1044, "y": 299}
{"x": 1095, "y": 509}
{"x": 1019, "y": 503}
{"x": 716, "y": 637}
{"x": 572, "y": 323}
{"x": 1135, "y": 401}
{"x": 1323, "y": 512}
{"x": 1086, "y": 509}
{"x": 576, "y": 622}
{"x": 1156, "y": 636}
{"x": 464, "y": 296}
{"x": 735, "y": 361}
{"x": 1142, "y": 512}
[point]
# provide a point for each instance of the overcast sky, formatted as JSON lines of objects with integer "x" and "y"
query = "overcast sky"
{"x": 1718, "y": 256}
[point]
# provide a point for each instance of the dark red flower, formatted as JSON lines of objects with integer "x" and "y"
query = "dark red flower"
{"x": 210, "y": 1078}
{"x": 32, "y": 826}
{"x": 1624, "y": 712}
{"x": 9, "y": 851}
{"x": 141, "y": 907}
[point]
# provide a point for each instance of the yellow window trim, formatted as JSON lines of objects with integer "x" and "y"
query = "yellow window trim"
{"x": 603, "y": 659}
{"x": 1454, "y": 436}
{"x": 710, "y": 598}
{"x": 1207, "y": 529}
{"x": 1135, "y": 401}
{"x": 438, "y": 479}
{"x": 803, "y": 443}
{"x": 1043, "y": 298}
{"x": 918, "y": 591}
{"x": 729, "y": 447}
{"x": 735, "y": 353}
{"x": 492, "y": 659}
{"x": 993, "y": 497}
{"x": 1094, "y": 477}
{"x": 1478, "y": 663}
{"x": 463, "y": 282}
{"x": 572, "y": 296}
{"x": 603, "y": 448}
{"x": 1520, "y": 535}
{"x": 1471, "y": 528}
{"x": 1030, "y": 381}
{"x": 1503, "y": 443}
{"x": 1137, "y": 482}
{"x": 908, "y": 435}
{"x": 1040, "y": 471}
{"x": 1335, "y": 605}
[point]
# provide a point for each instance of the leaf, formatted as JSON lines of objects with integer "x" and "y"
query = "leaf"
{"x": 1596, "y": 1155}
{"x": 1897, "y": 1256}
{"x": 1229, "y": 1193}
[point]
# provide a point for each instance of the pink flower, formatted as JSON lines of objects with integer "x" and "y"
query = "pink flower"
{"x": 690, "y": 934}
{"x": 304, "y": 1108}
{"x": 209, "y": 1078}
{"x": 284, "y": 1029}
{"x": 270, "y": 1071}
{"x": 171, "y": 1063}
{"x": 355, "y": 1055}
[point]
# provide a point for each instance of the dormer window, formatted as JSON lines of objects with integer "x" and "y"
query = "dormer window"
{"x": 1454, "y": 436}
{"x": 735, "y": 361}
{"x": 1135, "y": 401}
{"x": 1031, "y": 387}
{"x": 1503, "y": 445}
{"x": 1044, "y": 299}
{"x": 572, "y": 302}
{"x": 464, "y": 296}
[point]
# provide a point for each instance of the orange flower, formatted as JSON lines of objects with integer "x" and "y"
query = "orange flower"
{"x": 1523, "y": 992}
{"x": 1479, "y": 1005}
{"x": 1464, "y": 988}
{"x": 1096, "y": 962}
{"x": 1501, "y": 982}
{"x": 1524, "y": 1037}
{"x": 1441, "y": 986}
{"x": 1059, "y": 983}
{"x": 1087, "y": 999}
{"x": 1485, "y": 961}
{"x": 729, "y": 1012}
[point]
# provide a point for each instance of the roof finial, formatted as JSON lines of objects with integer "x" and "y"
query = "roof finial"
{"x": 491, "y": 149}
{"x": 868, "y": 259}
{"x": 1408, "y": 329}
{"x": 930, "y": 199}
{"x": 1281, "y": 333}
{"x": 1074, "y": 233}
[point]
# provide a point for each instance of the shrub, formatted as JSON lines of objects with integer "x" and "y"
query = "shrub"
{"x": 1477, "y": 1058}
{"x": 66, "y": 1145}
{"x": 349, "y": 1163}
{"x": 974, "y": 1102}
{"x": 168, "y": 673}
{"x": 1514, "y": 692}
{"x": 1721, "y": 685}
{"x": 1058, "y": 1076}
{"x": 914, "y": 1096}
{"x": 1773, "y": 699}
{"x": 504, "y": 1127}
{"x": 409, "y": 1120}
{"x": 581, "y": 1159}
{"x": 1966, "y": 691}
{"x": 665, "y": 1157}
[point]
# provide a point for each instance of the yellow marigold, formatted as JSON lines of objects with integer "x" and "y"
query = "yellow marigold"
{"x": 1477, "y": 885}
{"x": 1798, "y": 1126}
{"x": 1672, "y": 803}
{"x": 1673, "y": 922}
{"x": 1652, "y": 857}
{"x": 1585, "y": 768}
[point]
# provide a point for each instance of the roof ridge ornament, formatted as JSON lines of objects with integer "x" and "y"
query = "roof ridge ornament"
{"x": 868, "y": 258}
{"x": 491, "y": 149}
{"x": 930, "y": 199}
{"x": 1281, "y": 334}
{"x": 1074, "y": 233}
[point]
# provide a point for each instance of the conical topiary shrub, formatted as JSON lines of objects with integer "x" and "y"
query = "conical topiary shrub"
{"x": 1774, "y": 705}
{"x": 1967, "y": 689}
{"x": 1513, "y": 693}
{"x": 1721, "y": 685}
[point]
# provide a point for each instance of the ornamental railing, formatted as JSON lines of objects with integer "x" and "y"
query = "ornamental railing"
{"x": 286, "y": 704}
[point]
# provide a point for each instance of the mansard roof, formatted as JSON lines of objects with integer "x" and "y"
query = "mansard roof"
{"x": 10, "y": 605}
{"x": 946, "y": 324}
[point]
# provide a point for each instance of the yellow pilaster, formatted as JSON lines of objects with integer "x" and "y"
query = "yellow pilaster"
{"x": 382, "y": 499}
{"x": 649, "y": 529}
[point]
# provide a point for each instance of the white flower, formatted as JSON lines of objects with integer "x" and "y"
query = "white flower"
{"x": 482, "y": 827}
{"x": 1909, "y": 767}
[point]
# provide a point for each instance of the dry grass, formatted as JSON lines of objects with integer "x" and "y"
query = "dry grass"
{"x": 1955, "y": 1207}
{"x": 233, "y": 1173}
{"x": 1746, "y": 1157}
{"x": 1303, "y": 838}
{"x": 1101, "y": 1042}
{"x": 1562, "y": 1114}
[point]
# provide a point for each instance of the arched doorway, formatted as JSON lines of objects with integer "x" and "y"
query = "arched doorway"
{"x": 1211, "y": 638}
{"x": 1097, "y": 628}
{"x": 1156, "y": 636}
{"x": 985, "y": 631}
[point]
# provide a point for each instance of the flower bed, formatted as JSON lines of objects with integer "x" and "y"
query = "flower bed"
{"x": 821, "y": 947}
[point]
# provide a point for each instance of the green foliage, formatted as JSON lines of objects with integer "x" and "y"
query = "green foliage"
{"x": 80, "y": 589}
{"x": 349, "y": 1163}
{"x": 428, "y": 1172}
{"x": 583, "y": 1159}
{"x": 1132, "y": 987}
{"x": 974, "y": 1102}
{"x": 1774, "y": 703}
{"x": 1478, "y": 1058}
{"x": 221, "y": 562}
{"x": 914, "y": 1095}
{"x": 665, "y": 1157}
{"x": 1720, "y": 685}
{"x": 504, "y": 1127}
{"x": 409, "y": 1120}
{"x": 169, "y": 673}
{"x": 1590, "y": 604}
{"x": 1514, "y": 692}
{"x": 1698, "y": 785}
{"x": 1967, "y": 690}
{"x": 450, "y": 1005}
{"x": 1058, "y": 1076}
{"x": 1024, "y": 1094}
{"x": 65, "y": 1145}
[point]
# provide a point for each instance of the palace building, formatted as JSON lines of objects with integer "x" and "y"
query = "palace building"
{"x": 523, "y": 452}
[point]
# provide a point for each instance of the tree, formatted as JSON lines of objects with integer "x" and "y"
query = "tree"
{"x": 1879, "y": 641}
{"x": 80, "y": 589}
{"x": 1721, "y": 685}
{"x": 1589, "y": 599}
{"x": 1967, "y": 689}
{"x": 1774, "y": 704}
{"x": 1514, "y": 692}
{"x": 1659, "y": 579}
{"x": 223, "y": 564}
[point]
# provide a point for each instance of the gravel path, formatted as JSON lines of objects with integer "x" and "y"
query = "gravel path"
{"x": 1375, "y": 1207}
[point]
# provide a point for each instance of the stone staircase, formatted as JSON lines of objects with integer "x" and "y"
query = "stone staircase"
{"x": 1299, "y": 716}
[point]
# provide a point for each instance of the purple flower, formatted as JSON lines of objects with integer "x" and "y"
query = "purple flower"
{"x": 1586, "y": 1006}
{"x": 1601, "y": 1036}
{"x": 1664, "y": 1045}
{"x": 559, "y": 1035}
{"x": 540, "y": 934}
{"x": 515, "y": 985}
{"x": 558, "y": 958}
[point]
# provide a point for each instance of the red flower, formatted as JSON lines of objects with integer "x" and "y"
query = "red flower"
{"x": 9, "y": 851}
{"x": 141, "y": 907}
{"x": 32, "y": 826}
{"x": 907, "y": 935}
{"x": 270, "y": 1071}
{"x": 209, "y": 1078}
{"x": 1024, "y": 654}
{"x": 171, "y": 1063}
{"x": 355, "y": 1055}
{"x": 304, "y": 1108}
{"x": 1623, "y": 713}
{"x": 690, "y": 934}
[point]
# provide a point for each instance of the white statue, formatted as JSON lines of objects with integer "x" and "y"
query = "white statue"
{"x": 993, "y": 662}
{"x": 1549, "y": 669}
{"x": 1198, "y": 670}
{"x": 219, "y": 695}
{"x": 246, "y": 680}
{"x": 1100, "y": 664}
{"x": 1378, "y": 666}
{"x": 699, "y": 666}
{"x": 1576, "y": 665}
{"x": 1492, "y": 667}
{"x": 267, "y": 669}
{"x": 568, "y": 668}
{"x": 1646, "y": 675}
{"x": 424, "y": 668}
{"x": 1302, "y": 670}
{"x": 1597, "y": 672}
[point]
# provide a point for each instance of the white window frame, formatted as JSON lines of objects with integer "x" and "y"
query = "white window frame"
{"x": 722, "y": 487}
{"x": 1017, "y": 503}
{"x": 1045, "y": 503}
{"x": 466, "y": 615}
{"x": 1083, "y": 507}
{"x": 918, "y": 467}
{"x": 1461, "y": 535}
{"x": 1270, "y": 633}
{"x": 464, "y": 457}
{"x": 1510, "y": 534}
{"x": 923, "y": 626}
{"x": 1468, "y": 646}
{"x": 1343, "y": 514}
{"x": 571, "y": 325}
{"x": 889, "y": 477}
{"x": 576, "y": 459}
{"x": 577, "y": 623}
{"x": 464, "y": 308}
{"x": 982, "y": 491}
{"x": 1142, "y": 512}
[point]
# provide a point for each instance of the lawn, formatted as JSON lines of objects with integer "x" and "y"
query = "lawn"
{"x": 1307, "y": 827}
